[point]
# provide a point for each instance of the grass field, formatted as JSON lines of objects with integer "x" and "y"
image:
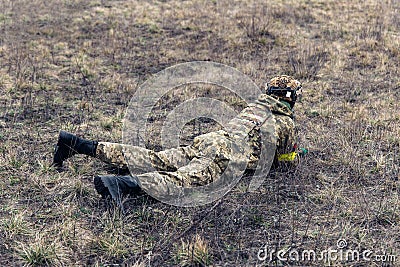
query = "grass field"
{"x": 74, "y": 65}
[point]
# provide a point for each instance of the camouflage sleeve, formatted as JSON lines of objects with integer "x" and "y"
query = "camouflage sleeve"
{"x": 284, "y": 128}
{"x": 285, "y": 132}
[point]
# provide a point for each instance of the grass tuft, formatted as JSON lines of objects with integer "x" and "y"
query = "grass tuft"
{"x": 40, "y": 253}
{"x": 194, "y": 253}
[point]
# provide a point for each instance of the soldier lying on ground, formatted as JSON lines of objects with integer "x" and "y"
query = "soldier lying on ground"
{"x": 184, "y": 166}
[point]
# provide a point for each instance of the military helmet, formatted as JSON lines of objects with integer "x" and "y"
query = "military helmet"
{"x": 285, "y": 88}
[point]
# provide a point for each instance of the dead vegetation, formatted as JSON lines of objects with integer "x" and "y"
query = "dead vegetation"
{"x": 74, "y": 65}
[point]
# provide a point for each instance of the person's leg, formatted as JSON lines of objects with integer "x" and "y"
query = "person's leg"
{"x": 140, "y": 159}
{"x": 115, "y": 186}
{"x": 197, "y": 173}
{"x": 207, "y": 167}
{"x": 69, "y": 145}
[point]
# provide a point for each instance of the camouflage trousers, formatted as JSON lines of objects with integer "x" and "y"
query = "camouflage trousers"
{"x": 196, "y": 165}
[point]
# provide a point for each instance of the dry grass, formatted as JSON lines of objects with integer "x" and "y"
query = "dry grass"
{"x": 74, "y": 65}
{"x": 193, "y": 253}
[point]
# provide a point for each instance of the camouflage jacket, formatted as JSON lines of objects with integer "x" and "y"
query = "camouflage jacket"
{"x": 254, "y": 124}
{"x": 281, "y": 127}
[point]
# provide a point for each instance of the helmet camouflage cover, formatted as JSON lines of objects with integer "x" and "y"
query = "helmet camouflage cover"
{"x": 284, "y": 87}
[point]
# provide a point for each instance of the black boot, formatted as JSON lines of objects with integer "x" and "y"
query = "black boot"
{"x": 116, "y": 186}
{"x": 69, "y": 145}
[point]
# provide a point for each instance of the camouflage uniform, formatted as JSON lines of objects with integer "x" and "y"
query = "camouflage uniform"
{"x": 204, "y": 161}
